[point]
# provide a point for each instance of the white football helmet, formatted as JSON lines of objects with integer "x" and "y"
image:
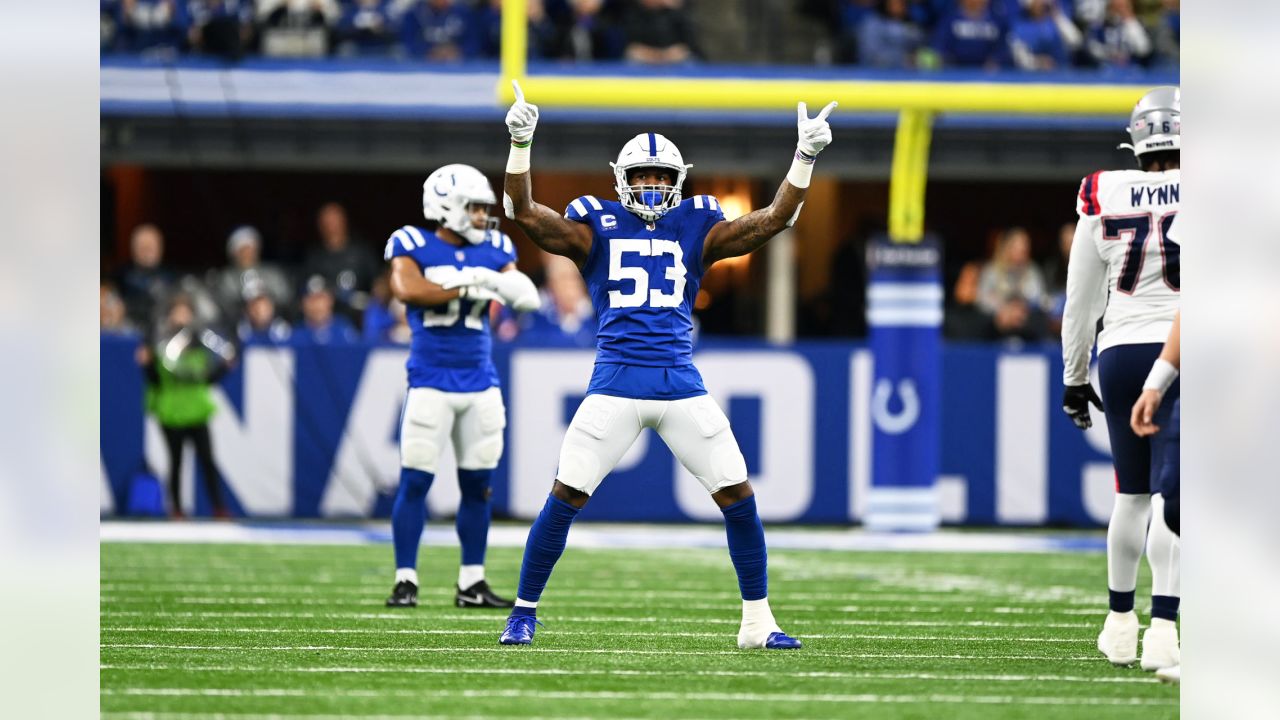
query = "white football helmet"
{"x": 649, "y": 202}
{"x": 448, "y": 195}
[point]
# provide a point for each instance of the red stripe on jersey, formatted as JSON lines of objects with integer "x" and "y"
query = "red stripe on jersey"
{"x": 1093, "y": 207}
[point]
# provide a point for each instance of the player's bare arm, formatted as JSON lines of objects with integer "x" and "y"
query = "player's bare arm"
{"x": 1163, "y": 373}
{"x": 547, "y": 228}
{"x": 411, "y": 287}
{"x": 751, "y": 231}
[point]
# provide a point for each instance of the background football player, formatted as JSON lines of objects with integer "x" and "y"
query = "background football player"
{"x": 446, "y": 275}
{"x": 643, "y": 258}
{"x": 1124, "y": 269}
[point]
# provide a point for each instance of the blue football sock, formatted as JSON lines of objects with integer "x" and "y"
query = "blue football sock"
{"x": 409, "y": 514}
{"x": 473, "y": 514}
{"x": 544, "y": 547}
{"x": 747, "y": 549}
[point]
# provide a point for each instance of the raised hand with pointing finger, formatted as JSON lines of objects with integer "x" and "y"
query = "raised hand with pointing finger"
{"x": 522, "y": 118}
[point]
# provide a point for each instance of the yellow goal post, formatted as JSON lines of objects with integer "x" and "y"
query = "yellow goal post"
{"x": 916, "y": 103}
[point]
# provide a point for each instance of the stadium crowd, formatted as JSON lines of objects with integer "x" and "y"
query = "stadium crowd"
{"x": 1027, "y": 35}
{"x": 340, "y": 294}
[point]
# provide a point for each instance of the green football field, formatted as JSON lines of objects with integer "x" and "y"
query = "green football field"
{"x": 254, "y": 630}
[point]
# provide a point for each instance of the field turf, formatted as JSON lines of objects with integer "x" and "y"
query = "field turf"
{"x": 253, "y": 630}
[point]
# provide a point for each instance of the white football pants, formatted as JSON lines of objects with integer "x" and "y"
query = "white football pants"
{"x": 473, "y": 421}
{"x": 695, "y": 429}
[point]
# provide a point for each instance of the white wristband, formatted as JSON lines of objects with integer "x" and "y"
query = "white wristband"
{"x": 801, "y": 169}
{"x": 1162, "y": 375}
{"x": 518, "y": 160}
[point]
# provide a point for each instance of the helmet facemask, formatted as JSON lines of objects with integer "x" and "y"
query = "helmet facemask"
{"x": 449, "y": 195}
{"x": 648, "y": 201}
{"x": 459, "y": 219}
{"x": 648, "y": 151}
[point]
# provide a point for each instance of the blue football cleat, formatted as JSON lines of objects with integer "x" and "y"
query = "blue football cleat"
{"x": 781, "y": 641}
{"x": 520, "y": 629}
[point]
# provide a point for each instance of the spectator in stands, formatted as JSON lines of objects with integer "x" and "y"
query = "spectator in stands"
{"x": 438, "y": 30}
{"x": 964, "y": 319}
{"x": 486, "y": 25}
{"x": 888, "y": 38}
{"x": 151, "y": 26}
{"x": 108, "y": 25}
{"x": 259, "y": 324}
{"x": 246, "y": 275}
{"x": 1043, "y": 37}
{"x": 297, "y": 28}
{"x": 658, "y": 32}
{"x": 1168, "y": 34}
{"x": 379, "y": 317}
{"x": 565, "y": 316}
{"x": 223, "y": 28}
{"x": 971, "y": 36}
{"x": 1011, "y": 288}
{"x": 347, "y": 266}
{"x": 145, "y": 280}
{"x": 1055, "y": 273}
{"x": 1119, "y": 40}
{"x": 590, "y": 31}
{"x": 367, "y": 28}
{"x": 320, "y": 326}
{"x": 111, "y": 309}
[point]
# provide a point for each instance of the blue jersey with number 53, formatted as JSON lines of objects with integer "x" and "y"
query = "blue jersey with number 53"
{"x": 643, "y": 280}
{"x": 451, "y": 348}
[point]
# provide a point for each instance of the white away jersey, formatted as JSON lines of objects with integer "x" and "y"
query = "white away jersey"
{"x": 1124, "y": 265}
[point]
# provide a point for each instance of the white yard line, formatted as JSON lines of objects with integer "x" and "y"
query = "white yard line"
{"x": 429, "y": 616}
{"x": 783, "y": 605}
{"x": 568, "y": 631}
{"x": 602, "y": 651}
{"x": 114, "y": 588}
{"x": 623, "y": 695}
{"x": 601, "y": 535}
{"x": 960, "y": 677}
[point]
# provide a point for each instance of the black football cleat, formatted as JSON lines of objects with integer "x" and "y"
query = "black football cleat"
{"x": 404, "y": 594}
{"x": 479, "y": 595}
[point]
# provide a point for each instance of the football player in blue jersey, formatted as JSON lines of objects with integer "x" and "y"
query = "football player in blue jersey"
{"x": 446, "y": 275}
{"x": 643, "y": 257}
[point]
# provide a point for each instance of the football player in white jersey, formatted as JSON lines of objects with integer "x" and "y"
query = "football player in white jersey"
{"x": 1124, "y": 270}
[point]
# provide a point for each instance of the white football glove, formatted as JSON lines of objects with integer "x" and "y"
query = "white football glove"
{"x": 464, "y": 280}
{"x": 522, "y": 118}
{"x": 815, "y": 133}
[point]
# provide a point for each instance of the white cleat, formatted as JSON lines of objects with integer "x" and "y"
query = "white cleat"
{"x": 1160, "y": 645}
{"x": 1119, "y": 638}
{"x": 1170, "y": 675}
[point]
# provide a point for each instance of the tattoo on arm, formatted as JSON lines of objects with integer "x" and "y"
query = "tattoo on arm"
{"x": 753, "y": 230}
{"x": 547, "y": 228}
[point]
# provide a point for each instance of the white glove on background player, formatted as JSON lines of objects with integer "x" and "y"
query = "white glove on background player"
{"x": 522, "y": 118}
{"x": 512, "y": 288}
{"x": 815, "y": 133}
{"x": 465, "y": 280}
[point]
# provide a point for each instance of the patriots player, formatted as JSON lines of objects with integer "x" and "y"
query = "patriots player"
{"x": 1125, "y": 269}
{"x": 446, "y": 274}
{"x": 643, "y": 257}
